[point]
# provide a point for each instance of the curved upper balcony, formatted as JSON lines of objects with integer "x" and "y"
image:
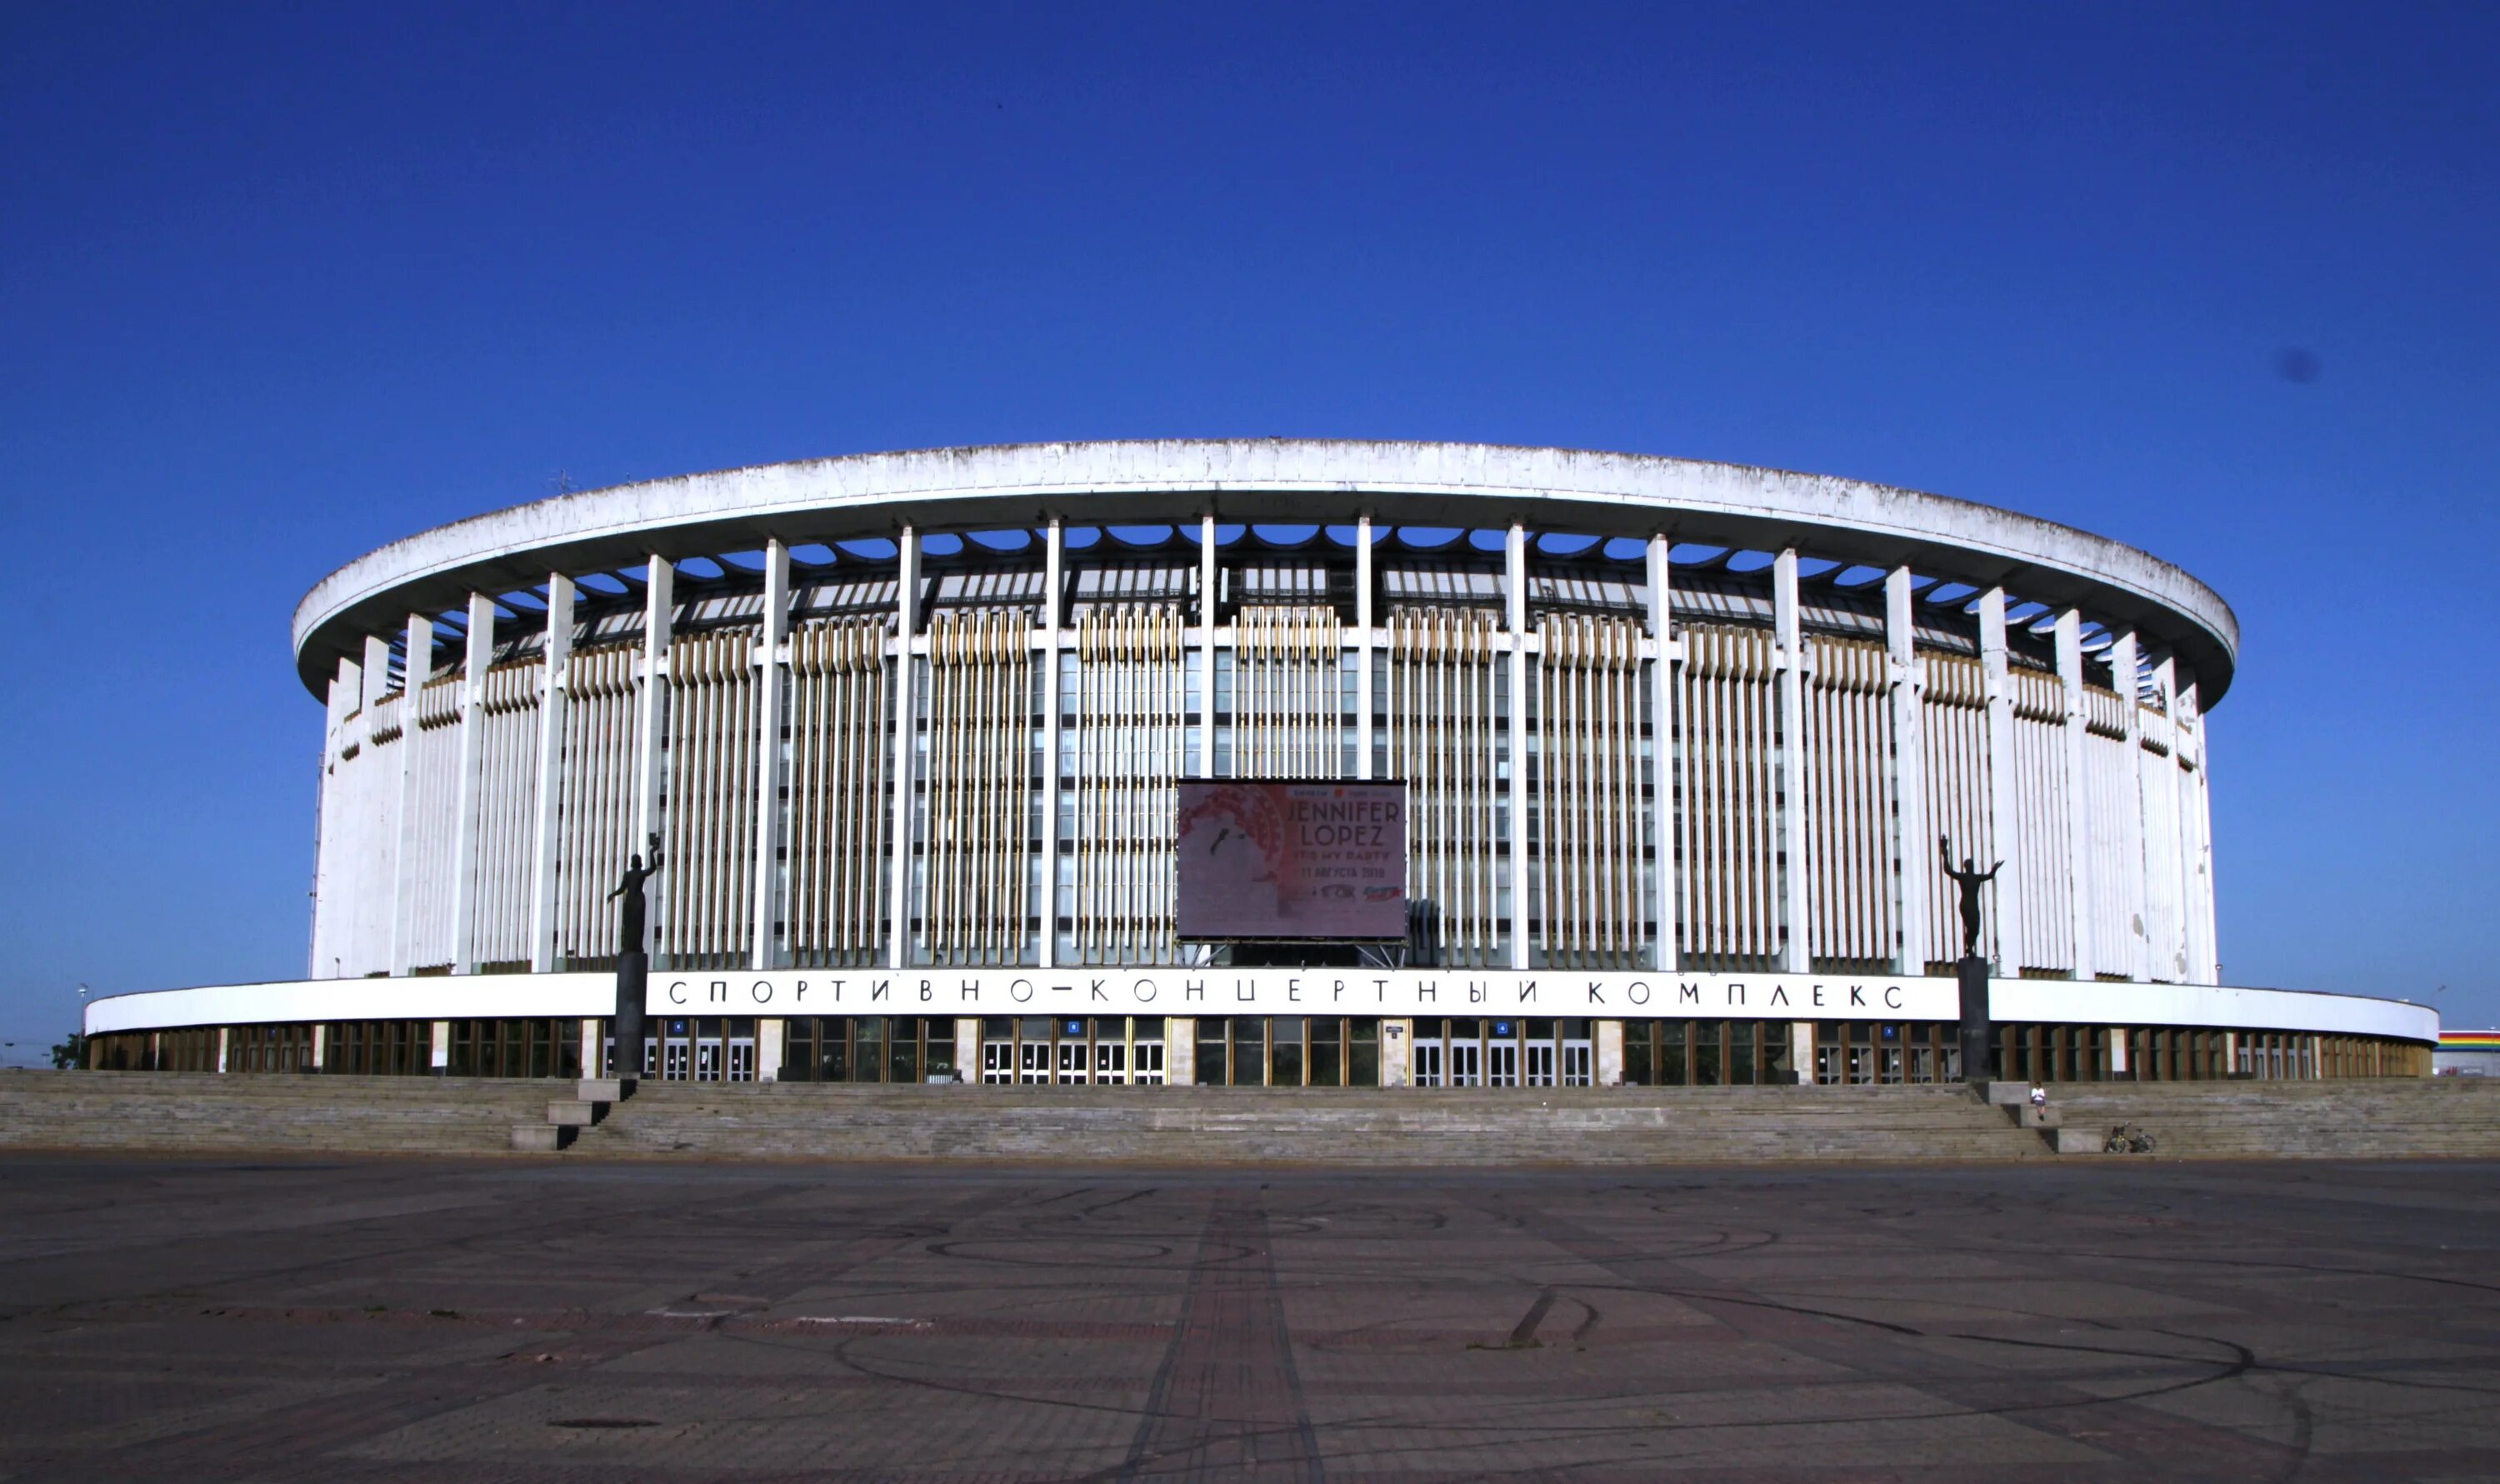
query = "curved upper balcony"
{"x": 1279, "y": 481}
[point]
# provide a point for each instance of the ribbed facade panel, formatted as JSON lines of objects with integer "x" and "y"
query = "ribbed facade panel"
{"x": 595, "y": 808}
{"x": 508, "y": 797}
{"x": 708, "y": 888}
{"x": 1953, "y": 726}
{"x": 434, "y": 798}
{"x": 1851, "y": 862}
{"x": 2044, "y": 941}
{"x": 1728, "y": 826}
{"x": 2115, "y": 809}
{"x": 1288, "y": 693}
{"x": 1586, "y": 889}
{"x": 840, "y": 801}
{"x": 1124, "y": 741}
{"x": 1447, "y": 739}
{"x": 978, "y": 828}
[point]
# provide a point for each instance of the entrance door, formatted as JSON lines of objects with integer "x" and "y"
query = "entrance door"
{"x": 1032, "y": 1061}
{"x": 1110, "y": 1061}
{"x": 1428, "y": 1063}
{"x": 741, "y": 1059}
{"x": 1466, "y": 1066}
{"x": 1501, "y": 1063}
{"x": 1540, "y": 1064}
{"x": 1071, "y": 1060}
{"x": 1576, "y": 1062}
{"x": 997, "y": 1061}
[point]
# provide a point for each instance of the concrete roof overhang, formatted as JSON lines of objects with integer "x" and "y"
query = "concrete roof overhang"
{"x": 1266, "y": 480}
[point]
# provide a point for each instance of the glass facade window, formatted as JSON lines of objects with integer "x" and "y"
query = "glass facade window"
{"x": 377, "y": 1048}
{"x": 698, "y": 1048}
{"x": 1461, "y": 1052}
{"x": 1877, "y": 1052}
{"x": 1112, "y": 1049}
{"x": 1707, "y": 1053}
{"x": 868, "y": 1048}
{"x": 1288, "y": 1052}
{"x": 515, "y": 1048}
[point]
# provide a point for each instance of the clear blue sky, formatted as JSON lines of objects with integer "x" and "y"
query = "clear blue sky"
{"x": 280, "y": 284}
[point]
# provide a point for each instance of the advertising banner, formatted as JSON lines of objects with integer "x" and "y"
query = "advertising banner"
{"x": 1268, "y": 861}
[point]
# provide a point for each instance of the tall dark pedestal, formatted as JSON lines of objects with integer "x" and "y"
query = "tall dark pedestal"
{"x": 1973, "y": 975}
{"x": 633, "y": 977}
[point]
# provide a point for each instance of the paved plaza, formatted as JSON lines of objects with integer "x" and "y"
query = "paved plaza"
{"x": 373, "y": 1320}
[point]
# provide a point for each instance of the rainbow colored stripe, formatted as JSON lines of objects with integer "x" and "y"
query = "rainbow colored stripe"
{"x": 2469, "y": 1041}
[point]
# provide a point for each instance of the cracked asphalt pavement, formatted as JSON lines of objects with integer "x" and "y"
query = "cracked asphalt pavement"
{"x": 398, "y": 1320}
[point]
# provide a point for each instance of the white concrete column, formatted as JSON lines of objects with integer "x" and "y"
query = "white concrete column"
{"x": 1515, "y": 597}
{"x": 591, "y": 1051}
{"x": 1661, "y": 713}
{"x": 418, "y": 663}
{"x": 1790, "y": 658}
{"x": 2118, "y": 1048}
{"x": 767, "y": 753}
{"x": 2079, "y": 813}
{"x": 375, "y": 676}
{"x": 2003, "y": 824}
{"x": 2169, "y": 959}
{"x": 331, "y": 870}
{"x": 321, "y": 1045}
{"x": 651, "y": 713}
{"x": 555, "y": 687}
{"x": 1802, "y": 1050}
{"x": 1397, "y": 1053}
{"x": 768, "y": 1043}
{"x": 1206, "y": 607}
{"x": 906, "y": 620}
{"x": 2204, "y": 956}
{"x": 1608, "y": 1053}
{"x": 1054, "y": 556}
{"x": 1363, "y": 646}
{"x": 2130, "y": 846}
{"x": 441, "y": 1058}
{"x": 1181, "y": 1050}
{"x": 1906, "y": 684}
{"x": 225, "y": 1034}
{"x": 967, "y": 1048}
{"x": 377, "y": 847}
{"x": 464, "y": 791}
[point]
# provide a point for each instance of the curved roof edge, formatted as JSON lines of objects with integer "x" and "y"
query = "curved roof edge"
{"x": 1016, "y": 484}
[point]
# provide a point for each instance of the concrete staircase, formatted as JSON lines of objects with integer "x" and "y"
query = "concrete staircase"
{"x": 182, "y": 1113}
{"x": 1340, "y": 1127}
{"x": 198, "y": 1113}
{"x": 567, "y": 1117}
{"x": 2395, "y": 1117}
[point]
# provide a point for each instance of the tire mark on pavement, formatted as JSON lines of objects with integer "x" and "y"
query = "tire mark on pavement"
{"x": 1227, "y": 1401}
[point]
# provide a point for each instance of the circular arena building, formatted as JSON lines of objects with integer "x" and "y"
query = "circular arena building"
{"x": 1678, "y": 742}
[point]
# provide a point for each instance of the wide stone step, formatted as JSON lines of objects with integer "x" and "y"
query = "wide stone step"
{"x": 172, "y": 1112}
